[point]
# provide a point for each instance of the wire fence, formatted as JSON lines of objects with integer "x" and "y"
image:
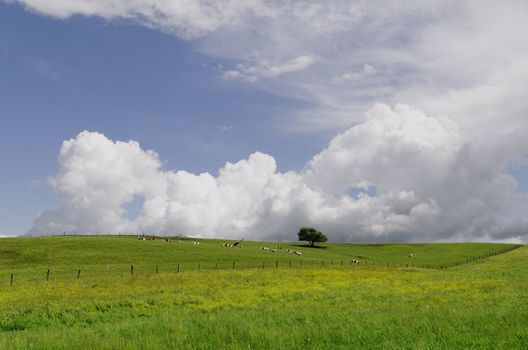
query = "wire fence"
{"x": 134, "y": 270}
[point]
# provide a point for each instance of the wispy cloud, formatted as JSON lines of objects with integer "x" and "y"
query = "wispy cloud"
{"x": 263, "y": 68}
{"x": 44, "y": 69}
{"x": 188, "y": 19}
{"x": 354, "y": 76}
{"x": 225, "y": 127}
{"x": 150, "y": 120}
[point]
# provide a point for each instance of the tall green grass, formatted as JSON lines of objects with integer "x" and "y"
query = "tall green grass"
{"x": 480, "y": 304}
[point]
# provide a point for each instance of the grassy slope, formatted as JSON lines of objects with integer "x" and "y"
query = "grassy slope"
{"x": 31, "y": 257}
{"x": 478, "y": 305}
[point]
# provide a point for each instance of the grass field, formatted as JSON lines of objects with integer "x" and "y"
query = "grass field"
{"x": 480, "y": 303}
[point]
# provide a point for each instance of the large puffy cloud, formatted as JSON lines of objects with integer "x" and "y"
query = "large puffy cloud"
{"x": 429, "y": 181}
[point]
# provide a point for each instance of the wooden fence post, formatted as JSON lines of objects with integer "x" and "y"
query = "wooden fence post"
{"x": 48, "y": 275}
{"x": 156, "y": 269}
{"x": 276, "y": 263}
{"x": 131, "y": 270}
{"x": 12, "y": 278}
{"x": 178, "y": 268}
{"x": 78, "y": 273}
{"x": 233, "y": 265}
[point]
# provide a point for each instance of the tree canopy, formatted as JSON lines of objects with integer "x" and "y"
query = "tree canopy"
{"x": 311, "y": 235}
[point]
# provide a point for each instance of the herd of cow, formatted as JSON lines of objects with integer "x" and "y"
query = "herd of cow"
{"x": 153, "y": 238}
{"x": 239, "y": 245}
{"x": 231, "y": 245}
{"x": 274, "y": 250}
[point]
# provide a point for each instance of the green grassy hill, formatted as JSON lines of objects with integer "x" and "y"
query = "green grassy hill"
{"x": 474, "y": 305}
{"x": 32, "y": 257}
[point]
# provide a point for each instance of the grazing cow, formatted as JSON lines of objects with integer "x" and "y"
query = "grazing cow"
{"x": 236, "y": 244}
{"x": 354, "y": 261}
{"x": 273, "y": 250}
{"x": 298, "y": 253}
{"x": 412, "y": 255}
{"x": 265, "y": 248}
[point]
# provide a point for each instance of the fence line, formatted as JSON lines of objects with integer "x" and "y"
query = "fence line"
{"x": 252, "y": 265}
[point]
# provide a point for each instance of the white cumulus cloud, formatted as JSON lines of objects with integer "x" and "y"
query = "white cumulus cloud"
{"x": 429, "y": 184}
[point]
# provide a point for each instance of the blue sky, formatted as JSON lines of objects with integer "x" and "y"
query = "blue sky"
{"x": 59, "y": 78}
{"x": 373, "y": 122}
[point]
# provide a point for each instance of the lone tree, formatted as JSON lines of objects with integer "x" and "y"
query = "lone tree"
{"x": 311, "y": 235}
